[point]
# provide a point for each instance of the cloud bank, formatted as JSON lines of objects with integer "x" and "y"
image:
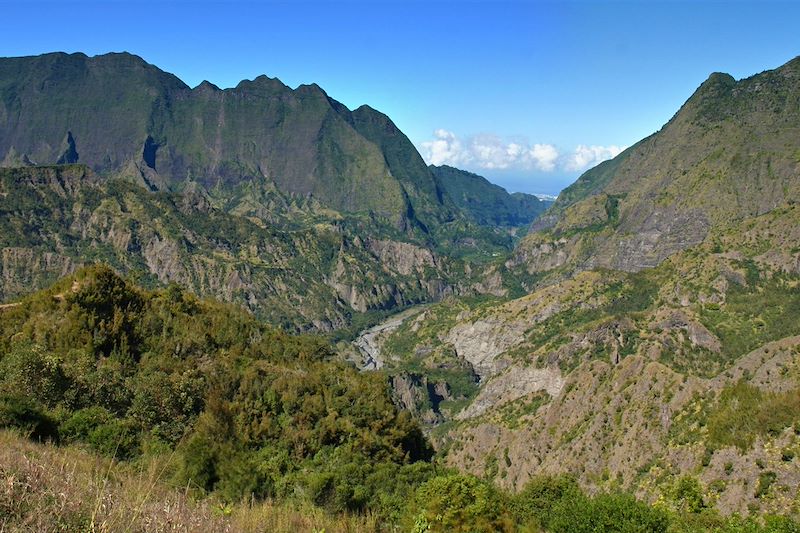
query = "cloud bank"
{"x": 491, "y": 152}
{"x": 584, "y": 157}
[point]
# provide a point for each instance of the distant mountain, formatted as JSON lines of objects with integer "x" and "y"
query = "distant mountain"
{"x": 486, "y": 203}
{"x": 119, "y": 115}
{"x": 732, "y": 151}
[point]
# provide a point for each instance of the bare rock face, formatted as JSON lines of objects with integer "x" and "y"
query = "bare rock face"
{"x": 480, "y": 343}
{"x": 513, "y": 383}
{"x": 481, "y": 340}
{"x": 413, "y": 393}
{"x": 491, "y": 282}
{"x": 581, "y": 429}
{"x": 698, "y": 335}
{"x": 647, "y": 244}
{"x": 611, "y": 424}
{"x": 541, "y": 256}
{"x": 23, "y": 268}
{"x": 402, "y": 257}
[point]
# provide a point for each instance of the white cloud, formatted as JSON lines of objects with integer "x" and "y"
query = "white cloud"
{"x": 545, "y": 156}
{"x": 490, "y": 152}
{"x": 588, "y": 156}
{"x": 445, "y": 149}
{"x": 487, "y": 152}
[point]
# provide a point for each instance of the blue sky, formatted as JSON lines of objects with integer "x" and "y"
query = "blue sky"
{"x": 527, "y": 94}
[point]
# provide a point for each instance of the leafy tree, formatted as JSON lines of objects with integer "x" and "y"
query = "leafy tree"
{"x": 457, "y": 502}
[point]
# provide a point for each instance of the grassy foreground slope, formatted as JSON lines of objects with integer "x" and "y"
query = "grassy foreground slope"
{"x": 47, "y": 488}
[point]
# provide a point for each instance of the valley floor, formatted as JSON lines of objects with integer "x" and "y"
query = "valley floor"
{"x": 369, "y": 342}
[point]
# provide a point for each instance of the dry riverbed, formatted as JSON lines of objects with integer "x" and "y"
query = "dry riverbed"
{"x": 370, "y": 341}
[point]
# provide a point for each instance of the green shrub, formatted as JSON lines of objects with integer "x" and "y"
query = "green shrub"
{"x": 458, "y": 502}
{"x": 80, "y": 425}
{"x": 765, "y": 481}
{"x": 744, "y": 412}
{"x": 23, "y": 414}
{"x": 198, "y": 468}
{"x": 534, "y": 505}
{"x": 116, "y": 438}
{"x": 29, "y": 370}
{"x": 687, "y": 493}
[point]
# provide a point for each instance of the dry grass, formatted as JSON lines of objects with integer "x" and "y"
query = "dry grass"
{"x": 45, "y": 488}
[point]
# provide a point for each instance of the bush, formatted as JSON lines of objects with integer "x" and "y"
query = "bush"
{"x": 534, "y": 505}
{"x": 80, "y": 425}
{"x": 688, "y": 495}
{"x": 765, "y": 481}
{"x": 458, "y": 502}
{"x": 116, "y": 438}
{"x": 28, "y": 370}
{"x": 23, "y": 414}
{"x": 744, "y": 412}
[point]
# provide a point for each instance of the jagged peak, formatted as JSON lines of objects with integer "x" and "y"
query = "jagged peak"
{"x": 370, "y": 114}
{"x": 719, "y": 78}
{"x": 120, "y": 55}
{"x": 263, "y": 82}
{"x": 206, "y": 86}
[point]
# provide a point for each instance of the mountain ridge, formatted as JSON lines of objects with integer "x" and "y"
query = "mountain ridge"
{"x": 157, "y": 127}
{"x": 487, "y": 203}
{"x": 729, "y": 153}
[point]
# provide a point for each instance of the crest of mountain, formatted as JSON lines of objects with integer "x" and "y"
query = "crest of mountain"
{"x": 732, "y": 151}
{"x": 486, "y": 203}
{"x": 119, "y": 115}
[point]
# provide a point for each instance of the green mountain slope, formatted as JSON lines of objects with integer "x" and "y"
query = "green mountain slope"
{"x": 488, "y": 204}
{"x": 244, "y": 410}
{"x": 730, "y": 152}
{"x": 120, "y": 115}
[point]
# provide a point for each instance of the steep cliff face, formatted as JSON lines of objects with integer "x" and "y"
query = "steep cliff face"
{"x": 298, "y": 266}
{"x": 281, "y": 199}
{"x": 731, "y": 152}
{"x": 122, "y": 116}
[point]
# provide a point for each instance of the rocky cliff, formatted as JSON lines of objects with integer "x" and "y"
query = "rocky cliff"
{"x": 296, "y": 265}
